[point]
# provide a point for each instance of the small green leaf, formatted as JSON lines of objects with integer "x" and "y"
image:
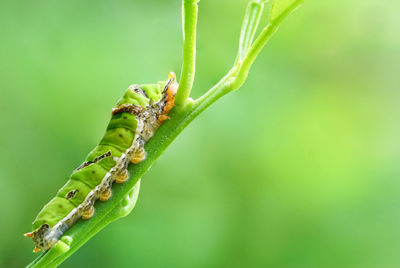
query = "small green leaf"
{"x": 127, "y": 204}
{"x": 281, "y": 8}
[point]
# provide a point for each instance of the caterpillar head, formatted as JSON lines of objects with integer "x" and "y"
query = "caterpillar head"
{"x": 168, "y": 100}
{"x": 141, "y": 97}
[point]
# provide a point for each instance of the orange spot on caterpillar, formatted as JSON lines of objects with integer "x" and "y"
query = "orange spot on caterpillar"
{"x": 105, "y": 195}
{"x": 138, "y": 157}
{"x": 88, "y": 213}
{"x": 170, "y": 98}
{"x": 29, "y": 235}
{"x": 122, "y": 177}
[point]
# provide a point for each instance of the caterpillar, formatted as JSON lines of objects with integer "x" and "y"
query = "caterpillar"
{"x": 134, "y": 120}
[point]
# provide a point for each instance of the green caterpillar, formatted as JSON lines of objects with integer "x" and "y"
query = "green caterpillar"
{"x": 136, "y": 117}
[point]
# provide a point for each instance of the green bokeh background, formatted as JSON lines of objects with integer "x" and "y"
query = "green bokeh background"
{"x": 299, "y": 168}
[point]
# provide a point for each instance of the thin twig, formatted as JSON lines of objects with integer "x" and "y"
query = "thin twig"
{"x": 249, "y": 27}
{"x": 189, "y": 20}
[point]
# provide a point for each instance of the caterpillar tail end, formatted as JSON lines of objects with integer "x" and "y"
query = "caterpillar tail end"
{"x": 29, "y": 235}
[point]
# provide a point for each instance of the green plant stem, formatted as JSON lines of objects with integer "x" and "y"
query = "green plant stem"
{"x": 189, "y": 20}
{"x": 259, "y": 44}
{"x": 180, "y": 117}
{"x": 249, "y": 27}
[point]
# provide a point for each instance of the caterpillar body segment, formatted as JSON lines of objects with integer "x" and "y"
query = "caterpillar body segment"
{"x": 136, "y": 117}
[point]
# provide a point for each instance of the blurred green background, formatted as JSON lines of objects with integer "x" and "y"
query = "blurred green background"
{"x": 299, "y": 168}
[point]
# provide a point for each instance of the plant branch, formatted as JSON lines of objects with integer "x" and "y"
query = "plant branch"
{"x": 249, "y": 27}
{"x": 189, "y": 20}
{"x": 260, "y": 43}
